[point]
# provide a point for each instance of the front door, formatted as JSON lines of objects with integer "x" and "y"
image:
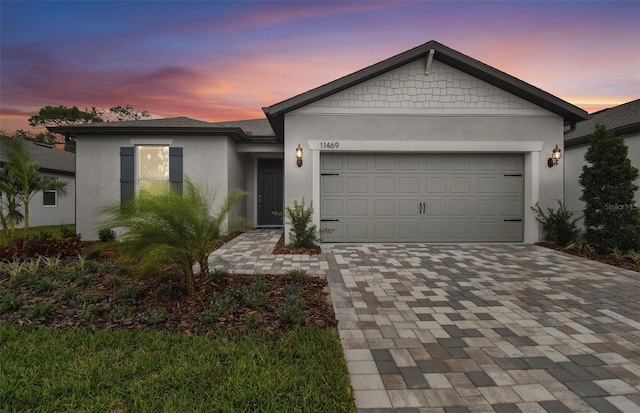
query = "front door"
{"x": 270, "y": 193}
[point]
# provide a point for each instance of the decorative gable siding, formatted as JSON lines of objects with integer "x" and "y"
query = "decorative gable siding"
{"x": 409, "y": 87}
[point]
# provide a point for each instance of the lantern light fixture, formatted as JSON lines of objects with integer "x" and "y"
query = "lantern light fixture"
{"x": 299, "y": 155}
{"x": 556, "y": 154}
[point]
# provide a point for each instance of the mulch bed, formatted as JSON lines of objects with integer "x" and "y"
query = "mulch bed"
{"x": 281, "y": 248}
{"x": 623, "y": 262}
{"x": 111, "y": 298}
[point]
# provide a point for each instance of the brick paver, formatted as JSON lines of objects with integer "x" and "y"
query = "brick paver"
{"x": 473, "y": 327}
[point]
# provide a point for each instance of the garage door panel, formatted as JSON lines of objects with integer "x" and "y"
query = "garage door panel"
{"x": 357, "y": 162}
{"x": 436, "y": 185}
{"x": 357, "y": 208}
{"x": 487, "y": 184}
{"x": 511, "y": 185}
{"x": 436, "y": 231}
{"x": 459, "y": 207}
{"x": 422, "y": 197}
{"x": 459, "y": 185}
{"x": 459, "y": 230}
{"x": 408, "y": 207}
{"x": 385, "y": 208}
{"x": 357, "y": 185}
{"x": 385, "y": 230}
{"x": 333, "y": 207}
{"x": 436, "y": 208}
{"x": 385, "y": 184}
{"x": 408, "y": 162}
{"x": 356, "y": 230}
{"x": 385, "y": 163}
{"x": 408, "y": 184}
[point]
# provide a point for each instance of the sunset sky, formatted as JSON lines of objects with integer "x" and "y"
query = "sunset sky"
{"x": 217, "y": 60}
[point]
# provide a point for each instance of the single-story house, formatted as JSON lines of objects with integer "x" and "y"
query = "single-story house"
{"x": 51, "y": 207}
{"x": 429, "y": 145}
{"x": 623, "y": 120}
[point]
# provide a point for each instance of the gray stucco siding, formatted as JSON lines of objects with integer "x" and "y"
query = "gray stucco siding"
{"x": 205, "y": 161}
{"x": 63, "y": 213}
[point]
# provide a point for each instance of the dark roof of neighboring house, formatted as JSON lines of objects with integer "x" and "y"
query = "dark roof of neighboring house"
{"x": 569, "y": 112}
{"x": 253, "y": 130}
{"x": 621, "y": 120}
{"x": 49, "y": 158}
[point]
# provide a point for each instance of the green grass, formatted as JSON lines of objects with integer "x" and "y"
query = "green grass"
{"x": 55, "y": 230}
{"x": 45, "y": 370}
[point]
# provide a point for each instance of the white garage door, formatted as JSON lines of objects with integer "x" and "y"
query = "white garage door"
{"x": 421, "y": 197}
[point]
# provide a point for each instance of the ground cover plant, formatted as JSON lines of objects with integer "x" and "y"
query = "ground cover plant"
{"x": 81, "y": 333}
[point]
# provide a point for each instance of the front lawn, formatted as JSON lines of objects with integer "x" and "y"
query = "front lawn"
{"x": 87, "y": 334}
{"x": 78, "y": 370}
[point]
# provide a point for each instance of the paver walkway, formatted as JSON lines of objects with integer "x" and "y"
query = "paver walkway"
{"x": 474, "y": 328}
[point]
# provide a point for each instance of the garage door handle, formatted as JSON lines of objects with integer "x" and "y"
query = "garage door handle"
{"x": 422, "y": 208}
{"x": 512, "y": 220}
{"x": 329, "y": 220}
{"x": 512, "y": 174}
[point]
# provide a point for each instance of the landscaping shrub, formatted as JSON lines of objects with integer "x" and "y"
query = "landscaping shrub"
{"x": 106, "y": 235}
{"x": 611, "y": 216}
{"x": 558, "y": 225}
{"x": 302, "y": 233}
{"x": 166, "y": 227}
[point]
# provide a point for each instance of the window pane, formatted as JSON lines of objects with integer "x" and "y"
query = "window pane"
{"x": 49, "y": 197}
{"x": 153, "y": 162}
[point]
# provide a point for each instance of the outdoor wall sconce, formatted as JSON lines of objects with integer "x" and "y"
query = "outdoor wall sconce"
{"x": 299, "y": 155}
{"x": 556, "y": 154}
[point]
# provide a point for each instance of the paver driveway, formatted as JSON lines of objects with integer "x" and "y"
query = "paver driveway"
{"x": 475, "y": 328}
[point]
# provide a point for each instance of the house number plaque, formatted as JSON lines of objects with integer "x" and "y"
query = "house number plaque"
{"x": 329, "y": 145}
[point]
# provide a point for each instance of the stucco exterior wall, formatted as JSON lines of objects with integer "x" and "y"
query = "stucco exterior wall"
{"x": 205, "y": 162}
{"x": 408, "y": 111}
{"x": 63, "y": 213}
{"x": 574, "y": 161}
{"x": 236, "y": 177}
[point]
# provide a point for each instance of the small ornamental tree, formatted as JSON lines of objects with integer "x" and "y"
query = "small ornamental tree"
{"x": 611, "y": 216}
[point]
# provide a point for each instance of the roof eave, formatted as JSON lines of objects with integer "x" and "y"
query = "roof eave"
{"x": 619, "y": 131}
{"x": 570, "y": 113}
{"x": 236, "y": 134}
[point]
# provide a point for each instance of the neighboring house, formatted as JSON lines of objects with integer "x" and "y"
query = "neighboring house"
{"x": 623, "y": 120}
{"x": 429, "y": 145}
{"x": 52, "y": 207}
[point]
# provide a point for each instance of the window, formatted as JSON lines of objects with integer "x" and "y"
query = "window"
{"x": 141, "y": 165}
{"x": 152, "y": 166}
{"x": 50, "y": 196}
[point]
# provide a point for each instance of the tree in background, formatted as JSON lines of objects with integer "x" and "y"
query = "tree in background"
{"x": 20, "y": 181}
{"x": 63, "y": 116}
{"x": 611, "y": 216}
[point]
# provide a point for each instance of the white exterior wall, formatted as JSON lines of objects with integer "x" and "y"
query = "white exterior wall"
{"x": 205, "y": 161}
{"x": 446, "y": 111}
{"x": 63, "y": 213}
{"x": 574, "y": 161}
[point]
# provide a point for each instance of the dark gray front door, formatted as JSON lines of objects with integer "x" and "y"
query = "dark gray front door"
{"x": 270, "y": 193}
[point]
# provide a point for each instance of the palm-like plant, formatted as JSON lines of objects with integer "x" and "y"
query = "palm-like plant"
{"x": 162, "y": 227}
{"x": 20, "y": 181}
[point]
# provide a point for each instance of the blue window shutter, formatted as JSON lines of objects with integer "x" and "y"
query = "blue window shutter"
{"x": 175, "y": 169}
{"x": 127, "y": 174}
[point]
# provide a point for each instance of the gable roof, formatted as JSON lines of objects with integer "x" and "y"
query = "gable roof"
{"x": 252, "y": 130}
{"x": 49, "y": 158}
{"x": 622, "y": 119}
{"x": 569, "y": 112}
